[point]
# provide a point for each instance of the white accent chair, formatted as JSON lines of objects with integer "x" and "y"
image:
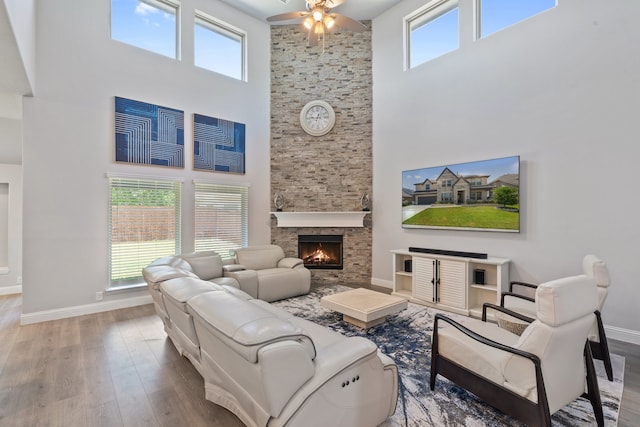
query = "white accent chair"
{"x": 519, "y": 299}
{"x": 533, "y": 375}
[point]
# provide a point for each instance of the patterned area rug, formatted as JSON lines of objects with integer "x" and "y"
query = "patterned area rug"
{"x": 406, "y": 337}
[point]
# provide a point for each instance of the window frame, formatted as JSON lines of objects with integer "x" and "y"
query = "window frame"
{"x": 477, "y": 7}
{"x": 469, "y": 24}
{"x": 210, "y": 188}
{"x": 226, "y": 30}
{"x": 167, "y": 6}
{"x": 421, "y": 17}
{"x": 130, "y": 181}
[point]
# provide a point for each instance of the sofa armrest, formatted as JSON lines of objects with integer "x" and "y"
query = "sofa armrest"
{"x": 285, "y": 367}
{"x": 290, "y": 263}
{"x": 332, "y": 362}
{"x": 232, "y": 267}
{"x": 247, "y": 279}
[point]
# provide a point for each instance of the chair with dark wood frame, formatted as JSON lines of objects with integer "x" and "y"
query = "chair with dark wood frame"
{"x": 525, "y": 409}
{"x": 523, "y": 303}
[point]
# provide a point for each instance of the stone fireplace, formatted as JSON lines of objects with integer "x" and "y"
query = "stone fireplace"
{"x": 325, "y": 174}
{"x": 320, "y": 251}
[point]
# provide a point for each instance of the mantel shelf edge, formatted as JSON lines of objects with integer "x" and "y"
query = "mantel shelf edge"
{"x": 321, "y": 219}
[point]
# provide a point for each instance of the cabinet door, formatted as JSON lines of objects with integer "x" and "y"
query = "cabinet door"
{"x": 453, "y": 283}
{"x": 423, "y": 274}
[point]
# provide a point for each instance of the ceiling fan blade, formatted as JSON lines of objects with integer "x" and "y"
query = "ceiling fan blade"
{"x": 348, "y": 23}
{"x": 288, "y": 16}
{"x": 333, "y": 3}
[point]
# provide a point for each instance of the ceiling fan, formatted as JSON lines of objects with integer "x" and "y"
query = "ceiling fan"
{"x": 318, "y": 18}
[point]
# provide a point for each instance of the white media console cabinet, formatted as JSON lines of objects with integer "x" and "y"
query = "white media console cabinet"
{"x": 449, "y": 282}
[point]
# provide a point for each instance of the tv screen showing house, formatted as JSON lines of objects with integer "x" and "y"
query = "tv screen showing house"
{"x": 481, "y": 196}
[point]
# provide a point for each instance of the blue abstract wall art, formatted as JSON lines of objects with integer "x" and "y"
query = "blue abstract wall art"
{"x": 149, "y": 134}
{"x": 218, "y": 145}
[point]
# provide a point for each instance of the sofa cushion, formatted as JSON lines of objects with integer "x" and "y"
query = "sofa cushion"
{"x": 225, "y": 281}
{"x": 180, "y": 290}
{"x": 171, "y": 261}
{"x": 207, "y": 265}
{"x": 156, "y": 274}
{"x": 243, "y": 326}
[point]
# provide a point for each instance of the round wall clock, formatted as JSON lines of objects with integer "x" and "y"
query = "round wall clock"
{"x": 317, "y": 118}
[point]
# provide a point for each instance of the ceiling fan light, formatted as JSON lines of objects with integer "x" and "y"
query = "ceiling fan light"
{"x": 308, "y": 23}
{"x": 317, "y": 15}
{"x": 329, "y": 22}
{"x": 319, "y": 28}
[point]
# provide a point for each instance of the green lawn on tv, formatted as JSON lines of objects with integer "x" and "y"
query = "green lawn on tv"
{"x": 466, "y": 217}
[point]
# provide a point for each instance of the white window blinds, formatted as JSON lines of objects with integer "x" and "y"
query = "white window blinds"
{"x": 144, "y": 224}
{"x": 221, "y": 217}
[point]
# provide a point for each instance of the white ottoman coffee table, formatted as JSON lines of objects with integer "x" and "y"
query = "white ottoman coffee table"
{"x": 363, "y": 307}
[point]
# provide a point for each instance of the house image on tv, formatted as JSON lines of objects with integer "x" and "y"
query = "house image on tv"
{"x": 459, "y": 189}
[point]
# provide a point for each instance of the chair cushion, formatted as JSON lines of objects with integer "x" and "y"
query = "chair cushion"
{"x": 473, "y": 355}
{"x": 207, "y": 265}
{"x": 563, "y": 300}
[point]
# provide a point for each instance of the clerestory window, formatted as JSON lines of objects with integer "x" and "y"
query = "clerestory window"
{"x": 219, "y": 47}
{"x": 494, "y": 15}
{"x": 148, "y": 24}
{"x": 436, "y": 28}
{"x": 432, "y": 32}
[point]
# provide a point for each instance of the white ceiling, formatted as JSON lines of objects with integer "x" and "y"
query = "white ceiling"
{"x": 356, "y": 9}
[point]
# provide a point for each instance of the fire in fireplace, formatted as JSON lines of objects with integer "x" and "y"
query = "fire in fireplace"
{"x": 320, "y": 251}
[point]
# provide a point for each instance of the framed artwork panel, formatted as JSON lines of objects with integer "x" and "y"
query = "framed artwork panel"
{"x": 218, "y": 145}
{"x": 148, "y": 134}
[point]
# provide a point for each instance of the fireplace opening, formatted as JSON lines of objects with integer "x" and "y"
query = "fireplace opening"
{"x": 320, "y": 251}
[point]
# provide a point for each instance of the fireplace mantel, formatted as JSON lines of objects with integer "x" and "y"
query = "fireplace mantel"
{"x": 320, "y": 219}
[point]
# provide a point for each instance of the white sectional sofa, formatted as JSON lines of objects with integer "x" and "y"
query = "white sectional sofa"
{"x": 265, "y": 365}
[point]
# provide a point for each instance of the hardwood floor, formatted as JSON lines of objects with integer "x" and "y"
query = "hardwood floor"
{"x": 119, "y": 369}
{"x": 109, "y": 369}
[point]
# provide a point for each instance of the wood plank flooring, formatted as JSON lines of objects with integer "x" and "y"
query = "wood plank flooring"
{"x": 119, "y": 369}
{"x": 109, "y": 369}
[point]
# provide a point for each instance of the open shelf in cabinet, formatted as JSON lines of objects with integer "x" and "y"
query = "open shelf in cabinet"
{"x": 402, "y": 279}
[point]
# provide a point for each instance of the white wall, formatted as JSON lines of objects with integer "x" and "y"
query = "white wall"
{"x": 562, "y": 91}
{"x": 69, "y": 140}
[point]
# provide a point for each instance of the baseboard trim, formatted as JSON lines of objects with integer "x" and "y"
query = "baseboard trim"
{"x": 10, "y": 290}
{"x": 621, "y": 334}
{"x": 383, "y": 283}
{"x": 81, "y": 310}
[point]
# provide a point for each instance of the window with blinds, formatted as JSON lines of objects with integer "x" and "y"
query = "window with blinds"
{"x": 221, "y": 218}
{"x": 144, "y": 225}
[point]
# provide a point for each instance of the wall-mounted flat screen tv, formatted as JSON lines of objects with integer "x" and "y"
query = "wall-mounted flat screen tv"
{"x": 481, "y": 196}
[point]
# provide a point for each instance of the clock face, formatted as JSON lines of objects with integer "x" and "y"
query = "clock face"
{"x": 317, "y": 118}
